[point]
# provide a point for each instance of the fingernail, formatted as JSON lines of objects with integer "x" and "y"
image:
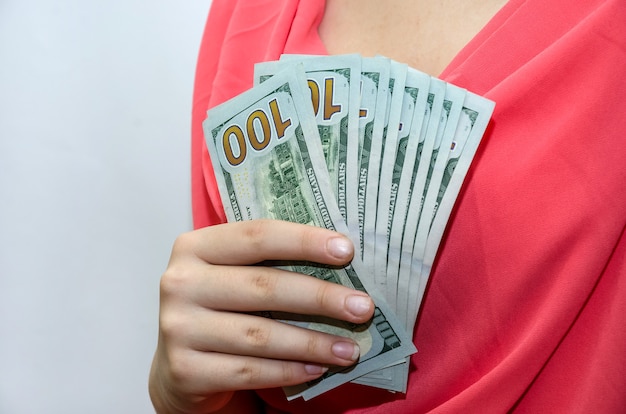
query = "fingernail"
{"x": 340, "y": 247}
{"x": 358, "y": 305}
{"x": 346, "y": 350}
{"x": 315, "y": 369}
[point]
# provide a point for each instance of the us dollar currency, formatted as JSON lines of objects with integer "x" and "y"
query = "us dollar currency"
{"x": 410, "y": 120}
{"x": 397, "y": 80}
{"x": 412, "y": 117}
{"x": 470, "y": 129}
{"x": 419, "y": 146}
{"x": 412, "y": 179}
{"x": 452, "y": 105}
{"x": 269, "y": 163}
{"x": 333, "y": 82}
{"x": 406, "y": 217}
{"x": 372, "y": 117}
{"x": 394, "y": 378}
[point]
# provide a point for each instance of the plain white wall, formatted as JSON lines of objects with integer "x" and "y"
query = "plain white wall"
{"x": 95, "y": 102}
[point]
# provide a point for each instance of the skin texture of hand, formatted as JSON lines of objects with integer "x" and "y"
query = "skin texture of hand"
{"x": 209, "y": 347}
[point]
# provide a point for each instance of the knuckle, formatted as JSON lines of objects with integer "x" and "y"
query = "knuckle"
{"x": 323, "y": 295}
{"x": 179, "y": 276}
{"x": 308, "y": 238}
{"x": 172, "y": 327}
{"x": 255, "y": 231}
{"x": 183, "y": 243}
{"x": 250, "y": 372}
{"x": 312, "y": 344}
{"x": 174, "y": 282}
{"x": 257, "y": 337}
{"x": 288, "y": 375}
{"x": 264, "y": 285}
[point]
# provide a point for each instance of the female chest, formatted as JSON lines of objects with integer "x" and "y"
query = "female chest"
{"x": 424, "y": 34}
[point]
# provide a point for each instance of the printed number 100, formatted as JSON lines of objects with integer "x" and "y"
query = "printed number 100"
{"x": 235, "y": 156}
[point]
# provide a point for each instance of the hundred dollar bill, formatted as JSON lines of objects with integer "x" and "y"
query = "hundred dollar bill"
{"x": 268, "y": 163}
{"x": 412, "y": 179}
{"x": 394, "y": 378}
{"x": 471, "y": 126}
{"x": 410, "y": 121}
{"x": 452, "y": 105}
{"x": 334, "y": 83}
{"x": 372, "y": 118}
{"x": 397, "y": 80}
{"x": 372, "y": 114}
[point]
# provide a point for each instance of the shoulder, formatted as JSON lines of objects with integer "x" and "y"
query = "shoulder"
{"x": 239, "y": 34}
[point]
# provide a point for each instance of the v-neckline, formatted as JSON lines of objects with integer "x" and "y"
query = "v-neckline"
{"x": 315, "y": 45}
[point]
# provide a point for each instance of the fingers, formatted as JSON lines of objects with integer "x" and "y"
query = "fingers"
{"x": 249, "y": 289}
{"x": 208, "y": 341}
{"x": 210, "y": 352}
{"x": 215, "y": 281}
{"x": 254, "y": 241}
{"x": 247, "y": 335}
{"x": 205, "y": 373}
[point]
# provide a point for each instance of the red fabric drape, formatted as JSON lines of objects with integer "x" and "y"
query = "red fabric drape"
{"x": 526, "y": 308}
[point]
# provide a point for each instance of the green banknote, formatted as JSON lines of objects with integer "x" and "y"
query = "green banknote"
{"x": 397, "y": 80}
{"x": 473, "y": 120}
{"x": 410, "y": 120}
{"x": 372, "y": 120}
{"x": 412, "y": 181}
{"x": 452, "y": 105}
{"x": 333, "y": 83}
{"x": 365, "y": 146}
{"x": 269, "y": 163}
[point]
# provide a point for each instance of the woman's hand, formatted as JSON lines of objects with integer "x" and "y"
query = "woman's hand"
{"x": 209, "y": 347}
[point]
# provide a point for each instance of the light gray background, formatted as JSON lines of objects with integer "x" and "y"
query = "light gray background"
{"x": 95, "y": 102}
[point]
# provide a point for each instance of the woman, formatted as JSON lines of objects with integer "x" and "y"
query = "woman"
{"x": 526, "y": 307}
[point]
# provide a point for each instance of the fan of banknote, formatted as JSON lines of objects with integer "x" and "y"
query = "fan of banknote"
{"x": 368, "y": 147}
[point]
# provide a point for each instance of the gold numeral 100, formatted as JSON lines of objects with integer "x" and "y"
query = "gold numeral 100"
{"x": 257, "y": 142}
{"x": 329, "y": 108}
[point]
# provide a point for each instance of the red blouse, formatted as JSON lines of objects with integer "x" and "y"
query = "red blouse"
{"x": 526, "y": 308}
